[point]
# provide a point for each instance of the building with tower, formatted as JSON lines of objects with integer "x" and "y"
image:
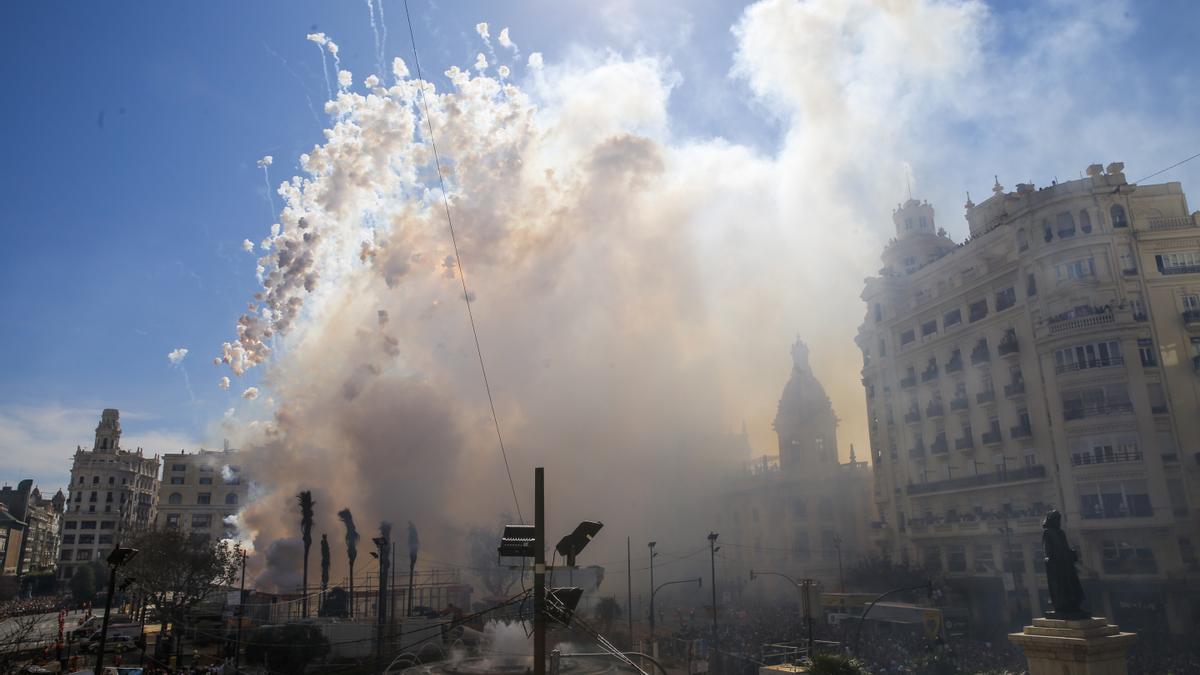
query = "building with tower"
{"x": 1051, "y": 360}
{"x": 42, "y": 517}
{"x": 801, "y": 512}
{"x": 112, "y": 491}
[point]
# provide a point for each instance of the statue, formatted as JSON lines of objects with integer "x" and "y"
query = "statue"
{"x": 1066, "y": 593}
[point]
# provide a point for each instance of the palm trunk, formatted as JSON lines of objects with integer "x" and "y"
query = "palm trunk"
{"x": 351, "y": 589}
{"x": 304, "y": 588}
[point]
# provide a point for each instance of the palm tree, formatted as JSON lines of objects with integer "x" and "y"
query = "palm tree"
{"x": 324, "y": 569}
{"x": 306, "y": 525}
{"x": 351, "y": 548}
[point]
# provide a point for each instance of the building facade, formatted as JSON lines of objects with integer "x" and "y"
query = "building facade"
{"x": 801, "y": 512}
{"x": 112, "y": 491}
{"x": 201, "y": 491}
{"x": 11, "y": 533}
{"x": 43, "y": 520}
{"x": 1052, "y": 360}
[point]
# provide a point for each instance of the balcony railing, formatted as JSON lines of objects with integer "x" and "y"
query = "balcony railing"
{"x": 1087, "y": 458}
{"x": 1182, "y": 269}
{"x": 965, "y": 443}
{"x": 954, "y": 365}
{"x": 1133, "y": 566}
{"x": 985, "y": 397}
{"x": 1090, "y": 363}
{"x": 1020, "y": 431}
{"x": 912, "y": 417}
{"x": 992, "y": 437}
{"x": 1066, "y": 325}
{"x": 939, "y": 447}
{"x": 962, "y": 403}
{"x": 979, "y": 356}
{"x": 929, "y": 375}
{"x": 908, "y": 382}
{"x": 1008, "y": 346}
{"x": 984, "y": 479}
{"x": 1014, "y": 389}
{"x": 1171, "y": 223}
{"x": 917, "y": 451}
{"x": 1078, "y": 411}
{"x": 934, "y": 409}
{"x": 1191, "y": 318}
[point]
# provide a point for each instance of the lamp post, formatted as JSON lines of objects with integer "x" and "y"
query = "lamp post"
{"x": 118, "y": 557}
{"x": 699, "y": 584}
{"x": 927, "y": 586}
{"x": 651, "y": 546}
{"x": 805, "y": 608}
{"x": 837, "y": 545}
{"x": 241, "y": 615}
{"x": 712, "y": 556}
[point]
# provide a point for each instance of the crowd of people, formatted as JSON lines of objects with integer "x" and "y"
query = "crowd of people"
{"x": 34, "y": 605}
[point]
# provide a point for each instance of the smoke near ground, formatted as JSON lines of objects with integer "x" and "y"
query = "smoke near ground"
{"x": 635, "y": 292}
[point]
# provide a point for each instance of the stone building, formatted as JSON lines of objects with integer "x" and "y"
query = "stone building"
{"x": 11, "y": 533}
{"x": 42, "y": 518}
{"x": 1051, "y": 360}
{"x": 112, "y": 491}
{"x": 801, "y": 512}
{"x": 200, "y": 491}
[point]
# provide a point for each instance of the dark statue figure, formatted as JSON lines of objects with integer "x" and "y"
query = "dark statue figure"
{"x": 1066, "y": 593}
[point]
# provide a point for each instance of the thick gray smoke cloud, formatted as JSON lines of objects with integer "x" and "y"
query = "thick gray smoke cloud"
{"x": 635, "y": 292}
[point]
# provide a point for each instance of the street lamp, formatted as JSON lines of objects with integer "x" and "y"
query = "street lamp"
{"x": 805, "y": 600}
{"x": 699, "y": 584}
{"x": 712, "y": 556}
{"x": 118, "y": 557}
{"x": 651, "y": 546}
{"x": 837, "y": 545}
{"x": 862, "y": 618}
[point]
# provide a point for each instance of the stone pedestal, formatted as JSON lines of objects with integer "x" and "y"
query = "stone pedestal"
{"x": 1074, "y": 647}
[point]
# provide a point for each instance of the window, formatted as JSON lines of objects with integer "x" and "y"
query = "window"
{"x": 172, "y": 520}
{"x": 179, "y": 467}
{"x": 95, "y": 480}
{"x": 105, "y": 539}
{"x": 112, "y": 480}
{"x": 1179, "y": 505}
{"x": 87, "y": 539}
{"x": 1158, "y": 398}
{"x": 1066, "y": 225}
{"x": 1178, "y": 262}
{"x": 978, "y": 310}
{"x": 1084, "y": 268}
{"x": 175, "y": 498}
{"x": 84, "y": 554}
{"x": 1114, "y": 499}
{"x": 1092, "y": 355}
{"x": 1187, "y": 552}
{"x": 1030, "y": 285}
{"x": 1047, "y": 231}
{"x": 1005, "y": 299}
{"x": 1191, "y": 303}
{"x": 92, "y": 497}
{"x": 231, "y": 498}
{"x": 1146, "y": 353}
{"x": 107, "y": 524}
{"x": 1022, "y": 241}
{"x": 69, "y": 525}
{"x": 201, "y": 520}
{"x": 176, "y": 480}
{"x": 1121, "y": 557}
{"x": 81, "y": 480}
{"x": 66, "y": 554}
{"x": 801, "y": 544}
{"x": 984, "y": 561}
{"x": 1100, "y": 400}
{"x": 1117, "y": 213}
{"x": 882, "y": 347}
{"x": 928, "y": 328}
{"x": 68, "y": 539}
{"x": 1128, "y": 261}
{"x": 78, "y": 496}
{"x": 956, "y": 558}
{"x": 907, "y": 337}
{"x": 204, "y": 498}
{"x": 952, "y": 318}
{"x": 206, "y": 480}
{"x": 108, "y": 497}
{"x": 933, "y": 558}
{"x": 1085, "y": 222}
{"x": 1138, "y": 308}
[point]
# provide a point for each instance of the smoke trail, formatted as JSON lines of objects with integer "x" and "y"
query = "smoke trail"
{"x": 382, "y": 38}
{"x": 176, "y": 357}
{"x": 375, "y": 33}
{"x": 319, "y": 39}
{"x": 333, "y": 49}
{"x": 263, "y": 164}
{"x": 303, "y": 85}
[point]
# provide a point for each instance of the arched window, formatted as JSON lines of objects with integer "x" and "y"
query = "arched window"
{"x": 231, "y": 498}
{"x": 1066, "y": 225}
{"x": 175, "y": 498}
{"x": 1117, "y": 213}
{"x": 1022, "y": 240}
{"x": 1085, "y": 222}
{"x": 1047, "y": 231}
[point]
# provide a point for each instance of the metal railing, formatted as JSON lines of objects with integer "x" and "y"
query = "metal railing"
{"x": 959, "y": 404}
{"x": 984, "y": 479}
{"x": 1170, "y": 223}
{"x": 1086, "y": 459}
{"x": 985, "y": 396}
{"x": 1014, "y": 389}
{"x": 1090, "y": 363}
{"x": 1078, "y": 412}
{"x": 1182, "y": 269}
{"x": 1092, "y": 320}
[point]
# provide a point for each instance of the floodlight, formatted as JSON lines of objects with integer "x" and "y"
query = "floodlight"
{"x": 574, "y": 543}
{"x": 518, "y": 541}
{"x": 561, "y": 603}
{"x": 121, "y": 555}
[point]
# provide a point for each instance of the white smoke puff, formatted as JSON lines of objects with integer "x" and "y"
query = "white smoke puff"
{"x": 332, "y": 47}
{"x": 399, "y": 68}
{"x": 224, "y": 382}
{"x": 265, "y": 244}
{"x": 482, "y": 29}
{"x": 371, "y": 82}
{"x": 275, "y": 230}
{"x": 318, "y": 38}
{"x": 503, "y": 71}
{"x": 265, "y": 161}
{"x": 535, "y": 60}
{"x": 176, "y": 356}
{"x": 217, "y": 361}
{"x": 481, "y": 63}
{"x": 345, "y": 79}
{"x": 247, "y": 246}
{"x": 506, "y": 41}
{"x": 250, "y": 394}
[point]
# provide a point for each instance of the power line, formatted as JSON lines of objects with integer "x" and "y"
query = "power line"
{"x": 1179, "y": 163}
{"x": 462, "y": 275}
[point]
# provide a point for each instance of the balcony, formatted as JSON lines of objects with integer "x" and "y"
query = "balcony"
{"x": 955, "y": 364}
{"x": 912, "y": 417}
{"x": 1132, "y": 566}
{"x": 960, "y": 404}
{"x": 908, "y": 382}
{"x": 1181, "y": 269}
{"x": 939, "y": 446}
{"x": 1191, "y": 318}
{"x": 917, "y": 451}
{"x": 966, "y": 443}
{"x": 1034, "y": 472}
{"x": 1110, "y": 362}
{"x": 1008, "y": 346}
{"x": 1078, "y": 411}
{"x": 983, "y": 397}
{"x": 992, "y": 437}
{"x": 1159, "y": 410}
{"x": 980, "y": 355}
{"x": 1020, "y": 431}
{"x": 929, "y": 375}
{"x": 934, "y": 409}
{"x": 1088, "y": 459}
{"x": 1171, "y": 223}
{"x": 1013, "y": 390}
{"x": 1067, "y": 323}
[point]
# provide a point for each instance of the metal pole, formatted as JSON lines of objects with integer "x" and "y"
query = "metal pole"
{"x": 237, "y": 651}
{"x": 629, "y": 588}
{"x": 652, "y": 596}
{"x": 539, "y": 572}
{"x": 112, "y": 586}
{"x": 808, "y": 617}
{"x": 392, "y": 586}
{"x": 712, "y": 554}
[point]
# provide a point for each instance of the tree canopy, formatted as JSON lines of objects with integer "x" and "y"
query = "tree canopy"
{"x": 177, "y": 571}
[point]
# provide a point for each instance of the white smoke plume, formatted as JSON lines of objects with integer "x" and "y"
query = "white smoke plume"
{"x": 176, "y": 356}
{"x": 319, "y": 39}
{"x": 636, "y": 289}
{"x": 506, "y": 41}
{"x": 247, "y": 246}
{"x": 375, "y": 32}
{"x": 223, "y": 383}
{"x": 250, "y": 393}
{"x": 481, "y": 62}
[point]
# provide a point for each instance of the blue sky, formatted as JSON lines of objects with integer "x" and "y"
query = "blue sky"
{"x": 131, "y": 180}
